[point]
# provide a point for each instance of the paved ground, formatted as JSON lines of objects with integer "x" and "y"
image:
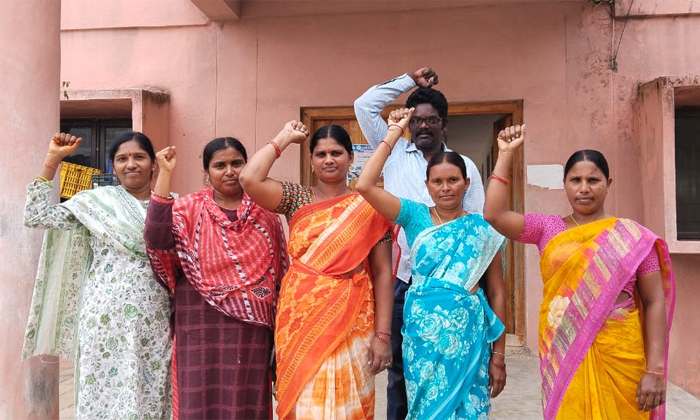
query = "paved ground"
{"x": 520, "y": 399}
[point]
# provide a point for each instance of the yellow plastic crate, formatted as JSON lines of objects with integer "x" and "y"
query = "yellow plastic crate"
{"x": 75, "y": 178}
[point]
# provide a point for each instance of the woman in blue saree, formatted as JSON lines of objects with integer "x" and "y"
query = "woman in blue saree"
{"x": 454, "y": 345}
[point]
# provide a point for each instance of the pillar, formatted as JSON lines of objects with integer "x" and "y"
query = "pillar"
{"x": 30, "y": 62}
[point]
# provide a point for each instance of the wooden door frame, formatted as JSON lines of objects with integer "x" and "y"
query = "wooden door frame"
{"x": 513, "y": 107}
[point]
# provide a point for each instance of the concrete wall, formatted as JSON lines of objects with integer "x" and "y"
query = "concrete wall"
{"x": 247, "y": 77}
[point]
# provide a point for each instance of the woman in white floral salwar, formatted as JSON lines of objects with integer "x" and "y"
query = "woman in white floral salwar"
{"x": 94, "y": 269}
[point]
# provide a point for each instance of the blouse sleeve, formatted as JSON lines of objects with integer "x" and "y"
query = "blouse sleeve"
{"x": 40, "y": 213}
{"x": 650, "y": 263}
{"x": 534, "y": 229}
{"x": 404, "y": 217}
{"x": 412, "y": 217}
{"x": 158, "y": 233}
{"x": 540, "y": 228}
{"x": 294, "y": 196}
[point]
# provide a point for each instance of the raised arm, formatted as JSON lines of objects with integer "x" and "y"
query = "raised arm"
{"x": 38, "y": 211}
{"x": 369, "y": 106}
{"x": 158, "y": 232}
{"x": 385, "y": 203}
{"x": 167, "y": 161}
{"x": 265, "y": 191}
{"x": 509, "y": 223}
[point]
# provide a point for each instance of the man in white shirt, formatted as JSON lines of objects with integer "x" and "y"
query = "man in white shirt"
{"x": 404, "y": 176}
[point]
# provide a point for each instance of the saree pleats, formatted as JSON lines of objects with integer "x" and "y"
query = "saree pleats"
{"x": 605, "y": 385}
{"x": 447, "y": 343}
{"x": 339, "y": 375}
{"x": 325, "y": 317}
{"x": 592, "y": 350}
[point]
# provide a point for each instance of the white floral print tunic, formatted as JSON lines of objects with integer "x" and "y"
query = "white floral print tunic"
{"x": 123, "y": 332}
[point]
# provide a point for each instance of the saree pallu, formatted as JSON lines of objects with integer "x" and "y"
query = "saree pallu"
{"x": 447, "y": 330}
{"x": 592, "y": 350}
{"x": 325, "y": 319}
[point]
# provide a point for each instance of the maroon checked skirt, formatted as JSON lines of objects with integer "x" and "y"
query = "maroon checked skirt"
{"x": 223, "y": 364}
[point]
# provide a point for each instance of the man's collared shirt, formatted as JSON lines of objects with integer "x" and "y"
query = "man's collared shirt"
{"x": 405, "y": 169}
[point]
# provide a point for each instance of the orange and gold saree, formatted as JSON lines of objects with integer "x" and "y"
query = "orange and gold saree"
{"x": 325, "y": 317}
{"x": 591, "y": 350}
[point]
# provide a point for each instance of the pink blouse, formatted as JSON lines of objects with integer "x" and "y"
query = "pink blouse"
{"x": 541, "y": 228}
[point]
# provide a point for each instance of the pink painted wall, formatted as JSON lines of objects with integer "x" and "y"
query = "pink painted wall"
{"x": 246, "y": 78}
{"x": 29, "y": 71}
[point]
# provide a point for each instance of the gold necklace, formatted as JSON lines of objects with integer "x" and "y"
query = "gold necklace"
{"x": 437, "y": 214}
{"x": 572, "y": 218}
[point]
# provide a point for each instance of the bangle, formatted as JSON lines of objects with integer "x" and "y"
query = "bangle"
{"x": 41, "y": 179}
{"x": 387, "y": 145}
{"x": 653, "y": 372}
{"x": 277, "y": 148}
{"x": 396, "y": 125}
{"x": 381, "y": 337}
{"x": 48, "y": 165}
{"x": 169, "y": 197}
{"x": 383, "y": 333}
{"x": 498, "y": 352}
{"x": 498, "y": 178}
{"x": 497, "y": 365}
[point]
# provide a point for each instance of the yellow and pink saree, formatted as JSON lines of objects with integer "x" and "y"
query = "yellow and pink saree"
{"x": 325, "y": 317}
{"x": 592, "y": 350}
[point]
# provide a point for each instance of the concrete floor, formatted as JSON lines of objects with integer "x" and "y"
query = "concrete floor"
{"x": 519, "y": 400}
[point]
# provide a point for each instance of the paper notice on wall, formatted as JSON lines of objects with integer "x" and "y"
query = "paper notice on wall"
{"x": 362, "y": 153}
{"x": 546, "y": 176}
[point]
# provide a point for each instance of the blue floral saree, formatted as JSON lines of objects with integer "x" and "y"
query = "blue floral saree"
{"x": 447, "y": 331}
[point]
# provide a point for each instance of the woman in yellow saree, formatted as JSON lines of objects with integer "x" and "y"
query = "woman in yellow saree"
{"x": 334, "y": 310}
{"x": 608, "y": 295}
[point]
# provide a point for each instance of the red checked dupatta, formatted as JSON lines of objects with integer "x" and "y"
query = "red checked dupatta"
{"x": 235, "y": 266}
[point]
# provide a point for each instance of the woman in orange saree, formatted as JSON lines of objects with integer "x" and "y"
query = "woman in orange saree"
{"x": 608, "y": 295}
{"x": 334, "y": 311}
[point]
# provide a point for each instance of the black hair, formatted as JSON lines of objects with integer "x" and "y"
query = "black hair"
{"x": 221, "y": 143}
{"x": 430, "y": 96}
{"x": 143, "y": 141}
{"x": 589, "y": 155}
{"x": 335, "y": 132}
{"x": 451, "y": 157}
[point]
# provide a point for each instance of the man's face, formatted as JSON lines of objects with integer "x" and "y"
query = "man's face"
{"x": 427, "y": 128}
